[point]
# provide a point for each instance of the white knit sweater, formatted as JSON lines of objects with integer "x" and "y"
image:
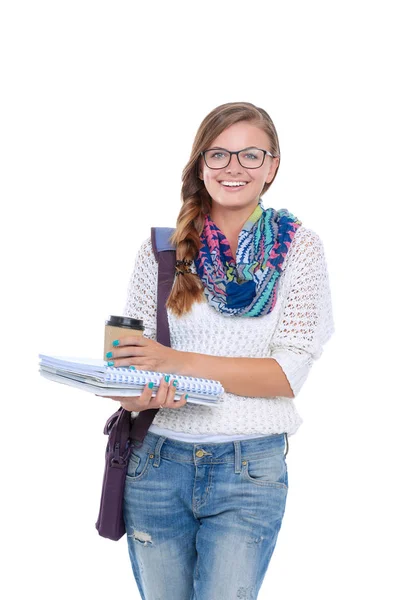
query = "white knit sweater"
{"x": 293, "y": 334}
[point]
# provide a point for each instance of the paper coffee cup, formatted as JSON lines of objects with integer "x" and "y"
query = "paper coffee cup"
{"x": 118, "y": 327}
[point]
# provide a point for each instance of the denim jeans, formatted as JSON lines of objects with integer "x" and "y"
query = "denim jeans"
{"x": 202, "y": 519}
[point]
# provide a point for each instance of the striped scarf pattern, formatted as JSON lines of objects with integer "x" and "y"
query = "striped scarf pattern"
{"x": 246, "y": 287}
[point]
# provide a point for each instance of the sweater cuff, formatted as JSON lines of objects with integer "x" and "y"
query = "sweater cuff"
{"x": 295, "y": 366}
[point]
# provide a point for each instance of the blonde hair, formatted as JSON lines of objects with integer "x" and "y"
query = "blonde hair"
{"x": 196, "y": 201}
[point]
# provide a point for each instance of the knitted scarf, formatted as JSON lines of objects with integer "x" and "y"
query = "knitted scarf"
{"x": 247, "y": 287}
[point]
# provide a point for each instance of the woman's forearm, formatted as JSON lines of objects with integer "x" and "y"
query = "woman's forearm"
{"x": 256, "y": 377}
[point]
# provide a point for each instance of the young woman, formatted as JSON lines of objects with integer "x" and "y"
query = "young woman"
{"x": 250, "y": 307}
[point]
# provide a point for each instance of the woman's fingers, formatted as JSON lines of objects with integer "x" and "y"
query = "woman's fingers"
{"x": 161, "y": 395}
{"x": 170, "y": 401}
{"x": 146, "y": 400}
{"x": 164, "y": 398}
{"x": 179, "y": 403}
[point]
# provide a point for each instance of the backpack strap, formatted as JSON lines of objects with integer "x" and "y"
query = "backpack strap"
{"x": 160, "y": 239}
{"x": 165, "y": 255}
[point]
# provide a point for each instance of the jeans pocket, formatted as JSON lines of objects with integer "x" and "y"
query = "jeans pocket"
{"x": 138, "y": 465}
{"x": 269, "y": 470}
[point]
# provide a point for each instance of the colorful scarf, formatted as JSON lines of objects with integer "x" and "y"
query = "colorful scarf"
{"x": 247, "y": 287}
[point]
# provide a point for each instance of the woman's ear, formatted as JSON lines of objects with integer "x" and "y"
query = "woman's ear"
{"x": 272, "y": 169}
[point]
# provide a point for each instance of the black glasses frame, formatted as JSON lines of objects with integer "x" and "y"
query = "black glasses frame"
{"x": 237, "y": 152}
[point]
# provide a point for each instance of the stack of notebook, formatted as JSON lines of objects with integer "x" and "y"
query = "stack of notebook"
{"x": 95, "y": 376}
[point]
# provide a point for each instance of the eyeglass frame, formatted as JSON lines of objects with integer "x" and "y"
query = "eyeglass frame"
{"x": 237, "y": 154}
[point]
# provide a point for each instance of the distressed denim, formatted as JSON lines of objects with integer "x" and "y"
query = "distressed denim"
{"x": 202, "y": 519}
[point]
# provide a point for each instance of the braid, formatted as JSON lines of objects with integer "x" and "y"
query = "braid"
{"x": 187, "y": 287}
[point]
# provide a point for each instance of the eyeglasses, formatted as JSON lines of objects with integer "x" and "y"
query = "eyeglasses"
{"x": 249, "y": 158}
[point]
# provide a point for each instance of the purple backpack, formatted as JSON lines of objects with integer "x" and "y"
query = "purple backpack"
{"x": 124, "y": 432}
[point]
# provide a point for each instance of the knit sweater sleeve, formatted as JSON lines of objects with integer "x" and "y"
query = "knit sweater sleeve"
{"x": 306, "y": 320}
{"x": 141, "y": 301}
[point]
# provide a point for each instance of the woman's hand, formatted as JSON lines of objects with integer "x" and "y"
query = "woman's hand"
{"x": 164, "y": 398}
{"x": 145, "y": 354}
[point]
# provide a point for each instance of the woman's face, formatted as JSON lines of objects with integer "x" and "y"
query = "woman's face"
{"x": 237, "y": 137}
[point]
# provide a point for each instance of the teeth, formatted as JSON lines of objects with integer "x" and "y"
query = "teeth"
{"x": 233, "y": 183}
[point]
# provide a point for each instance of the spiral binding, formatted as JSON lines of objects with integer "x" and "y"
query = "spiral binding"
{"x": 186, "y": 383}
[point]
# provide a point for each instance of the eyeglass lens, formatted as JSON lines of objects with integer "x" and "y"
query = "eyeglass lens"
{"x": 249, "y": 158}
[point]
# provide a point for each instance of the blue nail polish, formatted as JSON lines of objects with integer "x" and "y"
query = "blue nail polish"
{"x": 115, "y": 343}
{"x": 151, "y": 385}
{"x": 109, "y": 355}
{"x": 187, "y": 396}
{"x": 175, "y": 382}
{"x": 110, "y": 363}
{"x": 133, "y": 368}
{"x": 167, "y": 378}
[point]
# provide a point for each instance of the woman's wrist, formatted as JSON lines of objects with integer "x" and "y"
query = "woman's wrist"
{"x": 181, "y": 362}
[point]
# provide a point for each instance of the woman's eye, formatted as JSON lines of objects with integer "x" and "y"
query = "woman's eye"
{"x": 218, "y": 155}
{"x": 249, "y": 155}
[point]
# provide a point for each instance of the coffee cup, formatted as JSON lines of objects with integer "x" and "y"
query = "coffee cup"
{"x": 117, "y": 327}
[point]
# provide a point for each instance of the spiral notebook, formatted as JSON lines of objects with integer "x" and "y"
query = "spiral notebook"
{"x": 93, "y": 375}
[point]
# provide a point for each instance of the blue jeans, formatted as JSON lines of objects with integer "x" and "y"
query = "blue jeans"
{"x": 202, "y": 520}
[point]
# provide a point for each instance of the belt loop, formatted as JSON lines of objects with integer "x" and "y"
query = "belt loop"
{"x": 157, "y": 450}
{"x": 238, "y": 457}
{"x": 286, "y": 444}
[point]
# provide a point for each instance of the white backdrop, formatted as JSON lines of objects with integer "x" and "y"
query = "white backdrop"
{"x": 100, "y": 105}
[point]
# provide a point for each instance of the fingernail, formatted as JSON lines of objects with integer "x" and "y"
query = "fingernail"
{"x": 133, "y": 368}
{"x": 175, "y": 382}
{"x": 167, "y": 378}
{"x": 109, "y": 355}
{"x": 115, "y": 343}
{"x": 187, "y": 396}
{"x": 110, "y": 363}
{"x": 151, "y": 385}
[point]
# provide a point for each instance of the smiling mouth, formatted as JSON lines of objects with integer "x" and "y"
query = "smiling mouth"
{"x": 233, "y": 185}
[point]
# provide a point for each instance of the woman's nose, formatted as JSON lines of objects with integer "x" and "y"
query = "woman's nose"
{"x": 234, "y": 164}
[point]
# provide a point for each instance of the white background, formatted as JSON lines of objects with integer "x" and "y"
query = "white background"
{"x": 100, "y": 105}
